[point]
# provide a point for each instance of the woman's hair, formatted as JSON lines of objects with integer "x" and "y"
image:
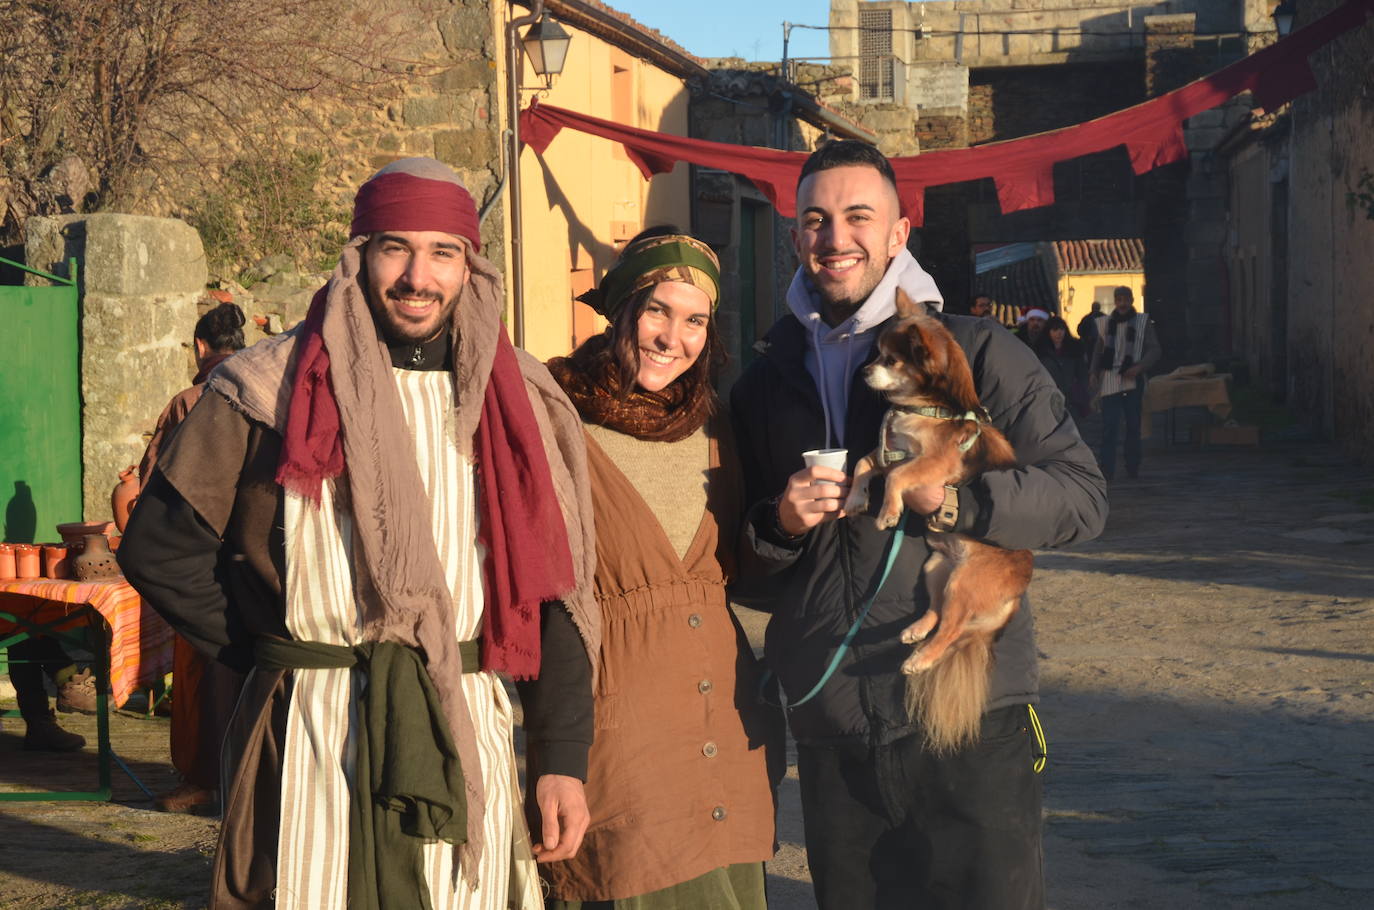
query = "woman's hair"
{"x": 1072, "y": 346}
{"x": 222, "y": 328}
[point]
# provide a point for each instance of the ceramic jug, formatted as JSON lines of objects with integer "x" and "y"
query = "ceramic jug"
{"x": 124, "y": 496}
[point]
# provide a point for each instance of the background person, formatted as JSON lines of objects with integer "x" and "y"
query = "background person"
{"x": 1125, "y": 349}
{"x": 1062, "y": 357}
{"x": 204, "y": 691}
{"x": 1032, "y": 329}
{"x": 682, "y": 811}
{"x": 29, "y": 661}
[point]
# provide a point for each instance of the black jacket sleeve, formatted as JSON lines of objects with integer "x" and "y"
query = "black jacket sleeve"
{"x": 764, "y": 551}
{"x": 171, "y": 557}
{"x": 1057, "y": 496}
{"x": 558, "y": 705}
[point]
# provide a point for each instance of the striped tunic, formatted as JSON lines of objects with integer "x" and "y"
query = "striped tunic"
{"x": 312, "y": 853}
{"x": 1129, "y": 339}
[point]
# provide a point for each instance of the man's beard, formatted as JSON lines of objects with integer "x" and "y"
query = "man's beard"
{"x": 398, "y": 331}
{"x": 837, "y": 309}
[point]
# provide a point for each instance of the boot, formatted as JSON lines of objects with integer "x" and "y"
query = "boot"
{"x": 44, "y": 735}
{"x": 77, "y": 695}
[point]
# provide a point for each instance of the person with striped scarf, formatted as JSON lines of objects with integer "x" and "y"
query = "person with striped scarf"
{"x": 1125, "y": 349}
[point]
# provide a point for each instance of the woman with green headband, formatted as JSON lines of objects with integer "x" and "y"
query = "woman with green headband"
{"x": 678, "y": 779}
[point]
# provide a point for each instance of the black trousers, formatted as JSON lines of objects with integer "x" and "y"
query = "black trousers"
{"x": 898, "y": 827}
{"x": 29, "y": 660}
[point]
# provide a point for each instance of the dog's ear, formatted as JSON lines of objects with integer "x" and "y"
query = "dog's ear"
{"x": 906, "y": 307}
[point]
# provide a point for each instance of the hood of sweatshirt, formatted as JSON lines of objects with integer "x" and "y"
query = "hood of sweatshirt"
{"x": 833, "y": 352}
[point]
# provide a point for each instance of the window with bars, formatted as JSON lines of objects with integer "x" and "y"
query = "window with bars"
{"x": 875, "y": 54}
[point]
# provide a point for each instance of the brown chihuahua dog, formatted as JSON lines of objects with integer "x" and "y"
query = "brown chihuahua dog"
{"x": 936, "y": 433}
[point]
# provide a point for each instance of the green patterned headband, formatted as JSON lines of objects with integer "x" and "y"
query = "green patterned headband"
{"x": 676, "y": 257}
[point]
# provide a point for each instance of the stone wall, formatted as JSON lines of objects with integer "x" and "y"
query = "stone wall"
{"x": 140, "y": 278}
{"x": 1185, "y": 203}
{"x": 1331, "y": 233}
{"x": 1008, "y": 103}
{"x": 995, "y": 33}
{"x": 449, "y": 107}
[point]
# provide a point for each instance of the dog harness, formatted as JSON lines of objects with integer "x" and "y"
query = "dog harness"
{"x": 888, "y": 456}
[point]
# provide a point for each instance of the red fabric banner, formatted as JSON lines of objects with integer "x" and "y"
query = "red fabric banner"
{"x": 1022, "y": 168}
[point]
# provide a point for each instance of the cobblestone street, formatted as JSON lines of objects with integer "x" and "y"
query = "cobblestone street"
{"x": 1208, "y": 694}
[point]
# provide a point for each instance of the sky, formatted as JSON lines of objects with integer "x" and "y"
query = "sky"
{"x": 751, "y": 29}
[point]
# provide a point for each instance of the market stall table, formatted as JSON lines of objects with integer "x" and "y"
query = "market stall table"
{"x": 1194, "y": 386}
{"x": 131, "y": 644}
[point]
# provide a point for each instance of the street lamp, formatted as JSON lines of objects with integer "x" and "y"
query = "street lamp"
{"x": 1284, "y": 14}
{"x": 546, "y": 44}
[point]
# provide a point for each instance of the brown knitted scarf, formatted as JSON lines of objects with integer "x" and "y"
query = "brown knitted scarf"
{"x": 596, "y": 391}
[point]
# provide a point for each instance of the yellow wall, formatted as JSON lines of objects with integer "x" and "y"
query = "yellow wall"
{"x": 1076, "y": 290}
{"x": 583, "y": 196}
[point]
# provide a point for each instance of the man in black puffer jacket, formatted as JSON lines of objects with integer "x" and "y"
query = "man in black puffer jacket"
{"x": 888, "y": 823}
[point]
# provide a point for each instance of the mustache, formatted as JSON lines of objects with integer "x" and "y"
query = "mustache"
{"x": 396, "y": 292}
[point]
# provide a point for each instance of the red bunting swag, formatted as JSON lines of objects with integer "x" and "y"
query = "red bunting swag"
{"x": 1021, "y": 168}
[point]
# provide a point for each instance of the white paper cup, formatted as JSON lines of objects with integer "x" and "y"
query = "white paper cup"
{"x": 830, "y": 458}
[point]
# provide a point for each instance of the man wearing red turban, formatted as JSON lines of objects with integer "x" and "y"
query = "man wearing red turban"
{"x": 376, "y": 512}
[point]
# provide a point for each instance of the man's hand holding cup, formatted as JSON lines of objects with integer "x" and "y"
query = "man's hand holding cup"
{"x": 816, "y": 493}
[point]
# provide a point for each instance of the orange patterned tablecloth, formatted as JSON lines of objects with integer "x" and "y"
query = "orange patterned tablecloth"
{"x": 140, "y": 641}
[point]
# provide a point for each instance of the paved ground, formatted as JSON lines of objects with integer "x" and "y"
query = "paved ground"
{"x": 1208, "y": 693}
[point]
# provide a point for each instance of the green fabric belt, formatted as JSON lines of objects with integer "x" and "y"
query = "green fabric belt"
{"x": 408, "y": 785}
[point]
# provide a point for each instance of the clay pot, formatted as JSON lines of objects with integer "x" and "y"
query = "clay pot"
{"x": 123, "y": 496}
{"x": 6, "y": 562}
{"x": 28, "y": 561}
{"x": 56, "y": 561}
{"x": 75, "y": 532}
{"x": 96, "y": 562}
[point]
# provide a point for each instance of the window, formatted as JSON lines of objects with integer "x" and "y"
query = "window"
{"x": 875, "y": 54}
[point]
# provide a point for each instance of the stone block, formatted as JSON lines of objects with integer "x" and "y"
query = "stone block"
{"x": 465, "y": 148}
{"x": 465, "y": 74}
{"x": 465, "y": 28}
{"x": 430, "y": 110}
{"x": 135, "y": 356}
{"x": 122, "y": 254}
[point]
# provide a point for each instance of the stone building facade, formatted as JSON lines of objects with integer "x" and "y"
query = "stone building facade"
{"x": 1300, "y": 200}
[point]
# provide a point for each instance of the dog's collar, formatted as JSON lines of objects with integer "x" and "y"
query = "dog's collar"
{"x": 929, "y": 410}
{"x": 979, "y": 417}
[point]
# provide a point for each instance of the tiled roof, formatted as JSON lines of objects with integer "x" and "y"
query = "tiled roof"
{"x": 1021, "y": 284}
{"x": 1122, "y": 255}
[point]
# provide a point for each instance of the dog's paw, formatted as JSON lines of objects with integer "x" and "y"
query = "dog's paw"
{"x": 915, "y": 664}
{"x": 887, "y": 520}
{"x": 857, "y": 503}
{"x": 917, "y": 631}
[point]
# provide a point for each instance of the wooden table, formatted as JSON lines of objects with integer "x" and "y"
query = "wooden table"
{"x": 1165, "y": 393}
{"x": 132, "y": 646}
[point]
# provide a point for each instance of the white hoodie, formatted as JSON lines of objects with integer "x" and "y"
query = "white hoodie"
{"x": 833, "y": 353}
